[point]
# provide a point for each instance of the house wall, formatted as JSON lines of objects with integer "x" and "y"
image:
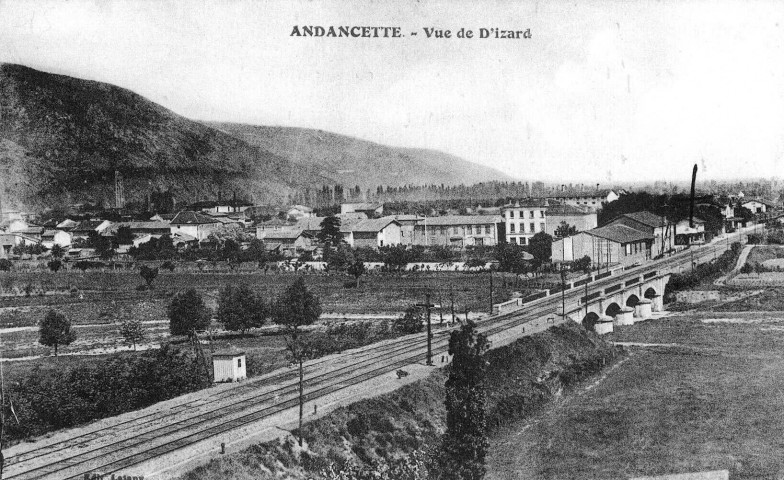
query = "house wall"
{"x": 756, "y": 207}
{"x": 455, "y": 235}
{"x": 581, "y": 222}
{"x": 198, "y": 231}
{"x": 519, "y": 221}
{"x": 600, "y": 250}
{"x": 662, "y": 235}
{"x": 227, "y": 369}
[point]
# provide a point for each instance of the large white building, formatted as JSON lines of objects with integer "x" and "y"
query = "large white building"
{"x": 524, "y": 219}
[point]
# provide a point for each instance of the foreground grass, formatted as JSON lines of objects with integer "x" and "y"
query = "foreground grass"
{"x": 713, "y": 401}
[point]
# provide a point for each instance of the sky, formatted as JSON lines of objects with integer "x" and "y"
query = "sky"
{"x": 605, "y": 91}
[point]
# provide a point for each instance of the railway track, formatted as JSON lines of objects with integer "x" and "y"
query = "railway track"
{"x": 161, "y": 433}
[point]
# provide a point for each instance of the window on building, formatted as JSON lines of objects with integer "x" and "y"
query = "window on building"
{"x": 524, "y": 241}
{"x": 541, "y": 227}
{"x": 511, "y": 228}
{"x": 531, "y": 214}
{"x": 441, "y": 230}
{"x": 532, "y": 227}
{"x": 239, "y": 363}
{"x": 628, "y": 249}
{"x": 487, "y": 229}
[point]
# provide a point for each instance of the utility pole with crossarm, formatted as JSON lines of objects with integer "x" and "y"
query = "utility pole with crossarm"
{"x": 428, "y": 306}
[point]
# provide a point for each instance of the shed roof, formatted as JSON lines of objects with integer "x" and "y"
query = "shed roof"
{"x": 193, "y": 218}
{"x": 620, "y": 233}
{"x": 646, "y": 218}
{"x": 228, "y": 353}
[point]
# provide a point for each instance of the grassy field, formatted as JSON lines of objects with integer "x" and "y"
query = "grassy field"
{"x": 709, "y": 399}
{"x": 762, "y": 253}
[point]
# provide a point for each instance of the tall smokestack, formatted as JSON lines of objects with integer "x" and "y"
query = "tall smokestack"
{"x": 691, "y": 204}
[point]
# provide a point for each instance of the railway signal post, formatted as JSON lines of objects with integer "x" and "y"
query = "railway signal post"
{"x": 428, "y": 306}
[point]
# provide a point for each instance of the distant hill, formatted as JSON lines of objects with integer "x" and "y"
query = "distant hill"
{"x": 352, "y": 161}
{"x": 62, "y": 138}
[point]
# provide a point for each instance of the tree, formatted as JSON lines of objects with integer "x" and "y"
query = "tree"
{"x": 103, "y": 247}
{"x": 340, "y": 258}
{"x": 148, "y": 274}
{"x": 188, "y": 313}
{"x": 5, "y": 264}
{"x": 565, "y": 230}
{"x": 357, "y": 269}
{"x": 330, "y": 231}
{"x": 55, "y": 265}
{"x": 582, "y": 264}
{"x": 239, "y": 309}
{"x": 541, "y": 247}
{"x": 410, "y": 322}
{"x": 464, "y": 444}
{"x": 511, "y": 258}
{"x": 57, "y": 251}
{"x": 295, "y": 308}
{"x": 124, "y": 235}
{"x": 132, "y": 330}
{"x": 55, "y": 330}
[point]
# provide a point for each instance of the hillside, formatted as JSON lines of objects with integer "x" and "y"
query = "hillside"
{"x": 62, "y": 138}
{"x": 352, "y": 161}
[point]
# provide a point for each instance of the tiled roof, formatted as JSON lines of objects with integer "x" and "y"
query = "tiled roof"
{"x": 193, "y": 218}
{"x": 87, "y": 225}
{"x": 288, "y": 234}
{"x": 620, "y": 234}
{"x": 566, "y": 209}
{"x": 528, "y": 203}
{"x": 647, "y": 218}
{"x": 370, "y": 225}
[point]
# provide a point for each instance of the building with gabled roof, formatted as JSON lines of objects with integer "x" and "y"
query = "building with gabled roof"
{"x": 459, "y": 230}
{"x": 524, "y": 218}
{"x": 195, "y": 224}
{"x": 662, "y": 229}
{"x": 608, "y": 245}
{"x": 582, "y": 218}
{"x": 371, "y": 209}
{"x": 591, "y": 198}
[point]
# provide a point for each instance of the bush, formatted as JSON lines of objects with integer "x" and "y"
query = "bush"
{"x": 55, "y": 265}
{"x": 59, "y": 397}
{"x": 410, "y": 322}
{"x": 5, "y": 264}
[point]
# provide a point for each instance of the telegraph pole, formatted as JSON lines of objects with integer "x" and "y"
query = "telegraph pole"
{"x": 491, "y": 292}
{"x": 427, "y": 306}
{"x": 563, "y": 292}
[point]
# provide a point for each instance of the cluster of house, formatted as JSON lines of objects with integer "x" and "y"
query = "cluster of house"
{"x": 365, "y": 225}
{"x": 634, "y": 238}
{"x": 628, "y": 239}
{"x": 185, "y": 228}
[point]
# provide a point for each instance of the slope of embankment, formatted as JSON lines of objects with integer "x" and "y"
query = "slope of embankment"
{"x": 394, "y": 433}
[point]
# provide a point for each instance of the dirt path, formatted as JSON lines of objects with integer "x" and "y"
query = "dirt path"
{"x": 744, "y": 254}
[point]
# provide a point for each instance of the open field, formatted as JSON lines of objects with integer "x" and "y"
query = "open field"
{"x": 99, "y": 295}
{"x": 708, "y": 397}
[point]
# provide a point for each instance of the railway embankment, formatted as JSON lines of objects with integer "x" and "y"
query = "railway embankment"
{"x": 395, "y": 433}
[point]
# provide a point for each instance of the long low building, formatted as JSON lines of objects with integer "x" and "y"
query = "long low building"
{"x": 611, "y": 244}
{"x": 458, "y": 230}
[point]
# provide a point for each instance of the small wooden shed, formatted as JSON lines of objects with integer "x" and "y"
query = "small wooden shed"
{"x": 229, "y": 366}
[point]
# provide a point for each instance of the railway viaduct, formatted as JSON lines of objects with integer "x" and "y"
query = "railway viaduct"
{"x": 622, "y": 303}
